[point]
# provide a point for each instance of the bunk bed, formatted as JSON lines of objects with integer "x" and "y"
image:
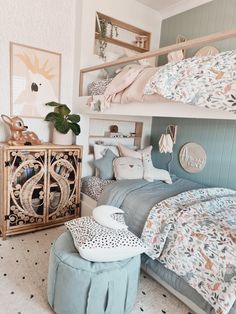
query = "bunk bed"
{"x": 142, "y": 192}
{"x": 155, "y": 106}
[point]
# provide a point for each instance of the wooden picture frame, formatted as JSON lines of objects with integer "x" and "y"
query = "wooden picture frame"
{"x": 35, "y": 79}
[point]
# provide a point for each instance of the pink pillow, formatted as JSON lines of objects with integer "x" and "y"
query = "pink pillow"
{"x": 127, "y": 152}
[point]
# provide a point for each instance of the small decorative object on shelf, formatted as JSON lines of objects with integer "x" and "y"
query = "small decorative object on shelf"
{"x": 115, "y": 32}
{"x": 41, "y": 186}
{"x": 105, "y": 29}
{"x": 140, "y": 41}
{"x": 19, "y": 135}
{"x": 65, "y": 124}
{"x": 114, "y": 134}
{"x": 114, "y": 128}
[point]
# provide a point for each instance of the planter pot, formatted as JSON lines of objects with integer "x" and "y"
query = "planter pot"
{"x": 62, "y": 139}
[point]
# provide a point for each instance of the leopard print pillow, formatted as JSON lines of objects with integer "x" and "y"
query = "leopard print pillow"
{"x": 93, "y": 186}
{"x": 98, "y": 87}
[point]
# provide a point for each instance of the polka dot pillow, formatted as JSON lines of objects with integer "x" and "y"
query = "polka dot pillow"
{"x": 97, "y": 243}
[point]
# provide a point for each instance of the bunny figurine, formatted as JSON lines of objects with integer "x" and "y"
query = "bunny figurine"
{"x": 19, "y": 135}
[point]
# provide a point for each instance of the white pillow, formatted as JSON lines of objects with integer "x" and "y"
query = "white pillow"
{"x": 128, "y": 168}
{"x": 127, "y": 152}
{"x": 100, "y": 244}
{"x": 151, "y": 173}
{"x": 104, "y": 215}
{"x": 100, "y": 150}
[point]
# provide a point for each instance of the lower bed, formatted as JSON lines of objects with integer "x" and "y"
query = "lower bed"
{"x": 136, "y": 198}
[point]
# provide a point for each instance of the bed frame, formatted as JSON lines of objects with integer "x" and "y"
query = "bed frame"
{"x": 165, "y": 108}
{"x": 87, "y": 205}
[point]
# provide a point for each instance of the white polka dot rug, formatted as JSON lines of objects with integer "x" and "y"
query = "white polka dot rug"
{"x": 23, "y": 279}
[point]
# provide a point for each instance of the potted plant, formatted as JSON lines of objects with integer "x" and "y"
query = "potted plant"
{"x": 102, "y": 29}
{"x": 65, "y": 124}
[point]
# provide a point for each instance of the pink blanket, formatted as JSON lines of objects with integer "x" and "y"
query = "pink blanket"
{"x": 128, "y": 86}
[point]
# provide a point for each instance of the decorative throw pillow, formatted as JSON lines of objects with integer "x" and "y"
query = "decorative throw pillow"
{"x": 127, "y": 152}
{"x": 105, "y": 165}
{"x": 93, "y": 186}
{"x": 98, "y": 87}
{"x": 128, "y": 168}
{"x": 101, "y": 244}
{"x": 105, "y": 216}
{"x": 151, "y": 173}
{"x": 100, "y": 150}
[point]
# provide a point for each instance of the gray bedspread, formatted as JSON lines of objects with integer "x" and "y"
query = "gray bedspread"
{"x": 137, "y": 197}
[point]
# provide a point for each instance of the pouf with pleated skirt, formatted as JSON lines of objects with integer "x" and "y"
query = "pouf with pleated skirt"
{"x": 78, "y": 286}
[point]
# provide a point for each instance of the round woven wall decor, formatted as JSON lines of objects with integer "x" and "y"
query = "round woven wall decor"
{"x": 192, "y": 157}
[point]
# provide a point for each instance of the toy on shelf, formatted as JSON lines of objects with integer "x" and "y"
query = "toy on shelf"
{"x": 19, "y": 135}
{"x": 141, "y": 41}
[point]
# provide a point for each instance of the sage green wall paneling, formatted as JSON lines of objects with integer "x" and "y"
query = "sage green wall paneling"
{"x": 212, "y": 17}
{"x": 218, "y": 137}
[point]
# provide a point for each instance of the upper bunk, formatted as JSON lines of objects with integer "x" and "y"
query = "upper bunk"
{"x": 160, "y": 106}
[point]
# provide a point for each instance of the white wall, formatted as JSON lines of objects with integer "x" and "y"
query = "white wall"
{"x": 131, "y": 12}
{"x": 47, "y": 24}
{"x": 168, "y": 8}
{"x": 66, "y": 27}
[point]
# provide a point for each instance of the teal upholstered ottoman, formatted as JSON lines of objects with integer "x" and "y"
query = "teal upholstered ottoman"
{"x": 77, "y": 286}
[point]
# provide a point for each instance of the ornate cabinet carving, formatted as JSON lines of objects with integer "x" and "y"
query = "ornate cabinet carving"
{"x": 40, "y": 186}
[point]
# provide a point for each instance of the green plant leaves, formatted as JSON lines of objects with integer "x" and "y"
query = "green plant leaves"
{"x": 75, "y": 118}
{"x": 52, "y": 104}
{"x": 75, "y": 128}
{"x": 52, "y": 116}
{"x": 62, "y": 109}
{"x": 59, "y": 108}
{"x": 62, "y": 126}
{"x": 62, "y": 120}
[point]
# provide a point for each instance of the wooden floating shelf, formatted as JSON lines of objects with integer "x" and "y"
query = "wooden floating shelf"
{"x": 118, "y": 137}
{"x": 121, "y": 43}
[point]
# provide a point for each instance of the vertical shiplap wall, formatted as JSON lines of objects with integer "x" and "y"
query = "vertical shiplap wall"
{"x": 211, "y": 17}
{"x": 218, "y": 137}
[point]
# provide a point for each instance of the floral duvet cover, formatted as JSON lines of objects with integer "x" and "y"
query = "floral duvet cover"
{"x": 194, "y": 235}
{"x": 202, "y": 81}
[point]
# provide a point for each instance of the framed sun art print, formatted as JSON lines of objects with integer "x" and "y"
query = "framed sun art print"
{"x": 35, "y": 78}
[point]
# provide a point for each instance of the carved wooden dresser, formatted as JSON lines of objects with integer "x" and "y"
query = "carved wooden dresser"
{"x": 39, "y": 186}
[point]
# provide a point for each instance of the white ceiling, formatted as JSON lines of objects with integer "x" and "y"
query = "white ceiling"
{"x": 169, "y": 8}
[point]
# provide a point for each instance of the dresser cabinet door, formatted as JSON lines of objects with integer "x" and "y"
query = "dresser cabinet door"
{"x": 26, "y": 188}
{"x": 63, "y": 184}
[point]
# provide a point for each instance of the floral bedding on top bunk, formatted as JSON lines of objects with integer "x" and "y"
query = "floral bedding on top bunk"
{"x": 208, "y": 82}
{"x": 194, "y": 235}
